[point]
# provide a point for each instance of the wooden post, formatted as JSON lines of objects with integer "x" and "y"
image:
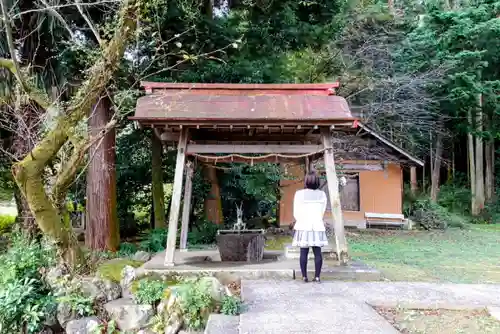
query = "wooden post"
{"x": 413, "y": 180}
{"x": 176, "y": 198}
{"x": 157, "y": 182}
{"x": 186, "y": 209}
{"x": 333, "y": 189}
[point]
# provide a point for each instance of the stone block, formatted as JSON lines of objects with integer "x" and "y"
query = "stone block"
{"x": 222, "y": 324}
{"x": 128, "y": 315}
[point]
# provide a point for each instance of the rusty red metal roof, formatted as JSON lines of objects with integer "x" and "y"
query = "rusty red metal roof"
{"x": 240, "y": 103}
{"x": 242, "y": 89}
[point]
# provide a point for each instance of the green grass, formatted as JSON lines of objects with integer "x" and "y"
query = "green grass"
{"x": 455, "y": 255}
{"x": 6, "y": 221}
{"x": 469, "y": 255}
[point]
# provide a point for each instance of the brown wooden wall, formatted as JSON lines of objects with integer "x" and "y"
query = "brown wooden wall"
{"x": 379, "y": 192}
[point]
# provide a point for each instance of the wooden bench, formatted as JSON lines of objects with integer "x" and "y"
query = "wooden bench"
{"x": 386, "y": 219}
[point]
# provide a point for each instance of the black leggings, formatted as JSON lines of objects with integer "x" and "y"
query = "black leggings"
{"x": 318, "y": 260}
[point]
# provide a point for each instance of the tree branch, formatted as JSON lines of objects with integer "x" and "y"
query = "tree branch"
{"x": 90, "y": 91}
{"x": 14, "y": 67}
{"x": 59, "y": 17}
{"x": 28, "y": 172}
{"x": 89, "y": 22}
{"x": 67, "y": 173}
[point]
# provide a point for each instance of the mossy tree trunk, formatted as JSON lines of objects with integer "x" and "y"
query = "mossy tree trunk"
{"x": 48, "y": 208}
{"x": 102, "y": 229}
{"x": 157, "y": 182}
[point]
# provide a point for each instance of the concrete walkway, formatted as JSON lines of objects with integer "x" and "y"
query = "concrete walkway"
{"x": 279, "y": 307}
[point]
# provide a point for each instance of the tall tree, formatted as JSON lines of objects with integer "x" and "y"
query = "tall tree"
{"x": 47, "y": 202}
{"x": 157, "y": 182}
{"x": 102, "y": 229}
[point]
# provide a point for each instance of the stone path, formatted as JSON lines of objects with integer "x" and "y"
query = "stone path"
{"x": 279, "y": 307}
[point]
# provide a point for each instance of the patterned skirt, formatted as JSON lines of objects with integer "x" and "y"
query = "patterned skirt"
{"x": 309, "y": 239}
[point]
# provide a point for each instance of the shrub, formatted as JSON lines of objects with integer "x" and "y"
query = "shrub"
{"x": 431, "y": 215}
{"x": 23, "y": 305}
{"x": 81, "y": 305}
{"x": 154, "y": 240}
{"x": 127, "y": 249}
{"x": 25, "y": 302}
{"x": 231, "y": 305}
{"x": 197, "y": 303}
{"x": 204, "y": 234}
{"x": 455, "y": 198}
{"x": 150, "y": 291}
{"x": 6, "y": 222}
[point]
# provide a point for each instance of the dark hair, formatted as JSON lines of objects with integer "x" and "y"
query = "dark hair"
{"x": 311, "y": 180}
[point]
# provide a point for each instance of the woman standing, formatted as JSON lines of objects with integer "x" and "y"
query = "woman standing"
{"x": 309, "y": 207}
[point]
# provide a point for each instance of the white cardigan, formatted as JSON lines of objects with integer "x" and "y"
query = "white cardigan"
{"x": 308, "y": 210}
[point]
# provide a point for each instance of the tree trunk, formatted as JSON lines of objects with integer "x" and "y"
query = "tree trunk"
{"x": 479, "y": 161}
{"x": 157, "y": 182}
{"x": 25, "y": 218}
{"x": 413, "y": 180}
{"x": 26, "y": 125}
{"x": 213, "y": 204}
{"x": 490, "y": 164}
{"x": 436, "y": 168}
{"x": 28, "y": 173}
{"x": 431, "y": 154}
{"x": 472, "y": 164}
{"x": 102, "y": 231}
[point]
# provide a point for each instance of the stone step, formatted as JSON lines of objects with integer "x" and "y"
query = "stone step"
{"x": 222, "y": 324}
{"x": 292, "y": 252}
{"x": 294, "y": 307}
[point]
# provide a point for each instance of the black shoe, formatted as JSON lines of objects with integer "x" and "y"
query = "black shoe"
{"x": 305, "y": 279}
{"x": 316, "y": 280}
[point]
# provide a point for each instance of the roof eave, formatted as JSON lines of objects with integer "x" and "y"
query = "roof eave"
{"x": 395, "y": 147}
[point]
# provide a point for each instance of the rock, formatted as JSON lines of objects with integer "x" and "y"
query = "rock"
{"x": 227, "y": 278}
{"x": 51, "y": 319}
{"x": 220, "y": 323}
{"x": 65, "y": 313}
{"x": 174, "y": 324}
{"x": 87, "y": 325}
{"x": 141, "y": 256}
{"x": 128, "y": 275}
{"x": 54, "y": 277}
{"x": 47, "y": 330}
{"x": 100, "y": 289}
{"x": 128, "y": 315}
{"x": 173, "y": 303}
{"x": 182, "y": 331}
{"x": 111, "y": 289}
{"x": 214, "y": 286}
{"x": 146, "y": 331}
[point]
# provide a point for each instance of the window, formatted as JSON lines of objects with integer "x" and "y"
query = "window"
{"x": 349, "y": 194}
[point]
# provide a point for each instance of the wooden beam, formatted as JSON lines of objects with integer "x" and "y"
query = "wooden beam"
{"x": 176, "y": 198}
{"x": 370, "y": 167}
{"x": 202, "y": 136}
{"x": 251, "y": 149}
{"x": 186, "y": 209}
{"x": 333, "y": 189}
{"x": 250, "y": 160}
